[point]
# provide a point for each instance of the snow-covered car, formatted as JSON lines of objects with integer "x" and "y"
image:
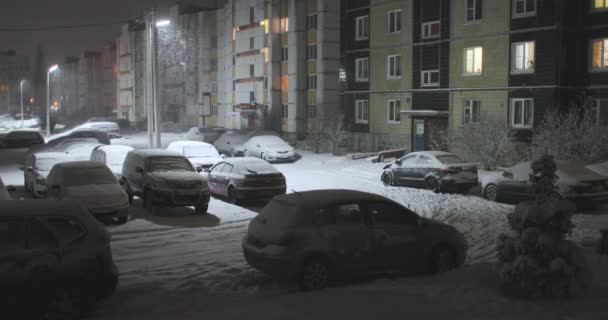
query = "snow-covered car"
{"x": 163, "y": 177}
{"x": 81, "y": 152}
{"x": 599, "y": 168}
{"x": 112, "y": 155}
{"x": 58, "y": 146}
{"x": 433, "y": 170}
{"x": 81, "y": 133}
{"x": 4, "y": 195}
{"x": 316, "y": 236}
{"x": 231, "y": 143}
{"x": 36, "y": 170}
{"x": 204, "y": 134}
{"x": 67, "y": 253}
{"x": 22, "y": 139}
{"x": 200, "y": 154}
{"x": 269, "y": 148}
{"x": 246, "y": 178}
{"x": 575, "y": 183}
{"x": 110, "y": 128}
{"x": 92, "y": 184}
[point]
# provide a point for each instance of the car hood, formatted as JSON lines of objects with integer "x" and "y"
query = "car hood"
{"x": 204, "y": 161}
{"x": 43, "y": 174}
{"x": 172, "y": 176}
{"x": 287, "y": 149}
{"x": 95, "y": 196}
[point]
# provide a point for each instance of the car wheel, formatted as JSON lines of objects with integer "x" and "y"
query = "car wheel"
{"x": 432, "y": 184}
{"x": 34, "y": 191}
{"x": 387, "y": 179}
{"x": 148, "y": 204}
{"x": 201, "y": 208}
{"x": 26, "y": 185}
{"x": 128, "y": 191}
{"x": 443, "y": 259}
{"x": 315, "y": 274}
{"x": 491, "y": 193}
{"x": 231, "y": 196}
{"x": 121, "y": 220}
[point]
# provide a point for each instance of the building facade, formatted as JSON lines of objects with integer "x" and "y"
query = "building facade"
{"x": 90, "y": 85}
{"x": 67, "y": 88}
{"x": 13, "y": 68}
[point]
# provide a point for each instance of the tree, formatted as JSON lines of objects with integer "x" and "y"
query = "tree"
{"x": 487, "y": 143}
{"x": 536, "y": 259}
{"x": 314, "y": 135}
{"x": 334, "y": 129}
{"x": 572, "y": 135}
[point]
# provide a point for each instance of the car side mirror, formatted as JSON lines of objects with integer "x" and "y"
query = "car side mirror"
{"x": 199, "y": 169}
{"x": 223, "y": 156}
{"x": 507, "y": 174}
{"x": 398, "y": 162}
{"x": 139, "y": 170}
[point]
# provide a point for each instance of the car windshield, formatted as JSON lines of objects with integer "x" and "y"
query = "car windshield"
{"x": 170, "y": 164}
{"x": 449, "y": 159}
{"x": 74, "y": 177}
{"x": 256, "y": 168}
{"x": 45, "y": 164}
{"x": 200, "y": 152}
{"x": 116, "y": 158}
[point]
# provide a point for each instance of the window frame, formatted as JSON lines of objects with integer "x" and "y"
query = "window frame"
{"x": 391, "y": 109}
{"x": 466, "y": 10}
{"x": 393, "y": 13}
{"x": 594, "y": 9}
{"x": 358, "y": 70}
{"x": 311, "y": 81}
{"x": 284, "y": 111}
{"x": 413, "y": 217}
{"x": 514, "y": 57}
{"x": 474, "y": 73}
{"x": 430, "y": 35}
{"x": 470, "y": 104}
{"x": 512, "y": 113}
{"x": 525, "y": 14}
{"x": 429, "y": 72}
{"x": 284, "y": 53}
{"x": 604, "y": 67}
{"x": 359, "y": 119}
{"x": 311, "y": 52}
{"x": 362, "y": 24}
{"x": 312, "y": 22}
{"x": 388, "y": 67}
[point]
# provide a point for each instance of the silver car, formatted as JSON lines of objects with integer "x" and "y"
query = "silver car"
{"x": 36, "y": 170}
{"x": 315, "y": 236}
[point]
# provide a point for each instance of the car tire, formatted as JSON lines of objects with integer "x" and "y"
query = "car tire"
{"x": 121, "y": 220}
{"x": 231, "y": 195}
{"x": 431, "y": 184}
{"x": 26, "y": 185}
{"x": 443, "y": 259}
{"x": 148, "y": 204}
{"x": 34, "y": 191}
{"x": 315, "y": 274}
{"x": 387, "y": 179}
{"x": 128, "y": 191}
{"x": 491, "y": 193}
{"x": 201, "y": 208}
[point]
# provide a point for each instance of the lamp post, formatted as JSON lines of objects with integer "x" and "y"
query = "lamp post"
{"x": 48, "y": 98}
{"x": 21, "y": 100}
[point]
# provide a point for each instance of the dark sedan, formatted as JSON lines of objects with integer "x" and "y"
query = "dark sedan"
{"x": 247, "y": 178}
{"x": 433, "y": 170}
{"x": 22, "y": 139}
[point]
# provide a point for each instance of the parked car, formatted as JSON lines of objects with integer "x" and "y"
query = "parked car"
{"x": 200, "y": 154}
{"x": 162, "y": 177}
{"x": 239, "y": 179}
{"x": 92, "y": 184}
{"x": 58, "y": 146}
{"x": 82, "y": 133}
{"x": 4, "y": 191}
{"x": 110, "y": 128}
{"x": 204, "y": 134}
{"x": 575, "y": 183}
{"x": 36, "y": 170}
{"x": 433, "y": 170}
{"x": 317, "y": 236}
{"x": 112, "y": 155}
{"x": 269, "y": 148}
{"x": 81, "y": 152}
{"x": 22, "y": 139}
{"x": 50, "y": 249}
{"x": 599, "y": 168}
{"x": 231, "y": 143}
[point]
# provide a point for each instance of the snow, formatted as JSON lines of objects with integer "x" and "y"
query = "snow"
{"x": 194, "y": 149}
{"x": 600, "y": 168}
{"x": 140, "y": 139}
{"x": 8, "y": 123}
{"x": 100, "y": 125}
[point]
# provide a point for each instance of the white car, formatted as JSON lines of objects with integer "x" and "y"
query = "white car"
{"x": 112, "y": 155}
{"x": 231, "y": 143}
{"x": 269, "y": 148}
{"x": 81, "y": 152}
{"x": 4, "y": 191}
{"x": 110, "y": 128}
{"x": 93, "y": 185}
{"x": 200, "y": 154}
{"x": 36, "y": 170}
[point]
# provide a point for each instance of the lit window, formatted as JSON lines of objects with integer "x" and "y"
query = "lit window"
{"x": 393, "y": 64}
{"x": 431, "y": 29}
{"x": 522, "y": 113}
{"x": 429, "y": 78}
{"x": 285, "y": 83}
{"x": 524, "y": 8}
{"x": 361, "y": 111}
{"x": 523, "y": 57}
{"x": 362, "y": 28}
{"x": 284, "y": 24}
{"x": 311, "y": 22}
{"x": 599, "y": 54}
{"x": 394, "y": 21}
{"x": 471, "y": 111}
{"x": 394, "y": 111}
{"x": 472, "y": 10}
{"x": 473, "y": 60}
{"x": 312, "y": 82}
{"x": 284, "y": 53}
{"x": 285, "y": 111}
{"x": 600, "y": 4}
{"x": 362, "y": 70}
{"x": 311, "y": 54}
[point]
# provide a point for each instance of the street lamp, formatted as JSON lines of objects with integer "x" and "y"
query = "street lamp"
{"x": 163, "y": 23}
{"x": 21, "y": 100}
{"x": 48, "y": 98}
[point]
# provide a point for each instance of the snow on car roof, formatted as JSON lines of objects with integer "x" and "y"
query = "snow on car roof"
{"x": 243, "y": 160}
{"x": 156, "y": 153}
{"x": 191, "y": 143}
{"x": 433, "y": 153}
{"x": 320, "y": 198}
{"x": 39, "y": 207}
{"x": 99, "y": 124}
{"x": 114, "y": 147}
{"x": 49, "y": 155}
{"x": 80, "y": 165}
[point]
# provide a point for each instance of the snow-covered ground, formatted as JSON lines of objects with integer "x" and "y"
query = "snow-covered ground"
{"x": 8, "y": 123}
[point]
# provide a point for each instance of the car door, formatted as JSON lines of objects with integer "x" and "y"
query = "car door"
{"x": 395, "y": 235}
{"x": 29, "y": 174}
{"x": 69, "y": 233}
{"x": 13, "y": 254}
{"x": 516, "y": 187}
{"x": 424, "y": 165}
{"x": 403, "y": 172}
{"x": 43, "y": 251}
{"x": 214, "y": 174}
{"x": 347, "y": 236}
{"x": 225, "y": 178}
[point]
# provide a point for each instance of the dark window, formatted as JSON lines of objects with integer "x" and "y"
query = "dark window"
{"x": 67, "y": 229}
{"x": 285, "y": 111}
{"x": 227, "y": 168}
{"x": 346, "y": 214}
{"x": 311, "y": 22}
{"x": 284, "y": 53}
{"x": 424, "y": 160}
{"x": 387, "y": 213}
{"x": 251, "y": 42}
{"x": 473, "y": 10}
{"x": 251, "y": 96}
{"x": 251, "y": 70}
{"x": 39, "y": 236}
{"x": 11, "y": 235}
{"x": 265, "y": 82}
{"x": 251, "y": 15}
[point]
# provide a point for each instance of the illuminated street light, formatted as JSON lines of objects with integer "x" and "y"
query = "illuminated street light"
{"x": 48, "y": 98}
{"x": 162, "y": 23}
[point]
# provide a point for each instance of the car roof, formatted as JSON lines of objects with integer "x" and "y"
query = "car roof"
{"x": 321, "y": 198}
{"x": 191, "y": 143}
{"x": 110, "y": 147}
{"x": 240, "y": 160}
{"x": 155, "y": 153}
{"x": 432, "y": 153}
{"x": 27, "y": 208}
{"x": 80, "y": 165}
{"x": 43, "y": 155}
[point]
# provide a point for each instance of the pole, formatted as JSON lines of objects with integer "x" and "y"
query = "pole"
{"x": 48, "y": 104}
{"x": 149, "y": 92}
{"x": 155, "y": 86}
{"x": 8, "y": 98}
{"x": 21, "y": 100}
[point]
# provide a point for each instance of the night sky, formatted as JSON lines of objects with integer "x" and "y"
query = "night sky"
{"x": 61, "y": 43}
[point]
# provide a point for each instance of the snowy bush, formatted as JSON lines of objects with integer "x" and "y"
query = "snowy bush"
{"x": 488, "y": 143}
{"x": 537, "y": 260}
{"x": 571, "y": 135}
{"x": 334, "y": 130}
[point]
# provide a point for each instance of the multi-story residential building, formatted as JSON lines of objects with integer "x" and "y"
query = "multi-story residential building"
{"x": 594, "y": 60}
{"x": 130, "y": 49}
{"x": 207, "y": 98}
{"x": 109, "y": 69}
{"x": 13, "y": 68}
{"x": 67, "y": 86}
{"x": 90, "y": 84}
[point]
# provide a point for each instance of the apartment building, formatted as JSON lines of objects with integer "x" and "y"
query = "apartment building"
{"x": 109, "y": 74}
{"x": 89, "y": 84}
{"x": 130, "y": 49}
{"x": 14, "y": 67}
{"x": 67, "y": 88}
{"x": 437, "y": 64}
